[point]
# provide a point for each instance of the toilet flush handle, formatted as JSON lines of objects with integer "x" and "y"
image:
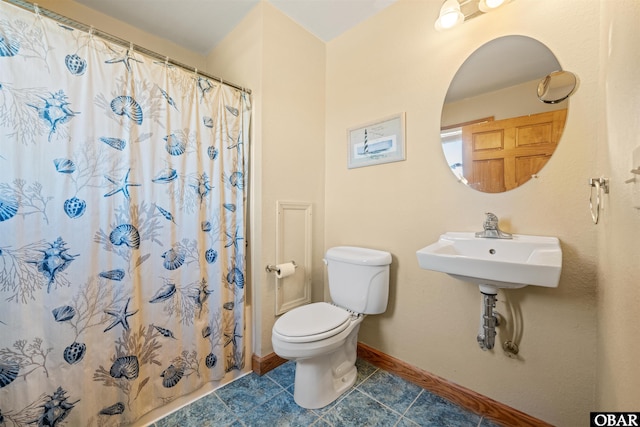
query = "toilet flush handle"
{"x": 325, "y": 261}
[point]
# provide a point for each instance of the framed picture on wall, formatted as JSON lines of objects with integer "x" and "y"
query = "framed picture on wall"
{"x": 381, "y": 141}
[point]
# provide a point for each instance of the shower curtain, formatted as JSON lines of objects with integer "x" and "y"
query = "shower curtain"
{"x": 122, "y": 223}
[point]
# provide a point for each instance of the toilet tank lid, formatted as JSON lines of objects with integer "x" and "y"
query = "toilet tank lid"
{"x": 356, "y": 255}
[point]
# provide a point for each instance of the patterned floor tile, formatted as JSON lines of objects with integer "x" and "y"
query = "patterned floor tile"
{"x": 431, "y": 410}
{"x": 390, "y": 390}
{"x": 365, "y": 370}
{"x": 378, "y": 398}
{"x": 247, "y": 392}
{"x": 357, "y": 409}
{"x": 281, "y": 410}
{"x": 208, "y": 411}
{"x": 284, "y": 374}
{"x": 406, "y": 422}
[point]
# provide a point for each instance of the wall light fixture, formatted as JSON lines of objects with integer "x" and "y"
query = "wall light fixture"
{"x": 455, "y": 12}
{"x": 450, "y": 15}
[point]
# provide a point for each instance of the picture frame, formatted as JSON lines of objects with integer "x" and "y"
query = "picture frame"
{"x": 377, "y": 142}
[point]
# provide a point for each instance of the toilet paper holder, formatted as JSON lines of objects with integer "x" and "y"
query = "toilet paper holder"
{"x": 274, "y": 268}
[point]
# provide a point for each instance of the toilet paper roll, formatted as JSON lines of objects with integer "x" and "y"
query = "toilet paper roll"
{"x": 284, "y": 270}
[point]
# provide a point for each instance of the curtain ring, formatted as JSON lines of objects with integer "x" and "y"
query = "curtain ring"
{"x": 595, "y": 215}
{"x": 36, "y": 11}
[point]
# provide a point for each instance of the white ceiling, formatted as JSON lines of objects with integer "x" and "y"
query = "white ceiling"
{"x": 199, "y": 25}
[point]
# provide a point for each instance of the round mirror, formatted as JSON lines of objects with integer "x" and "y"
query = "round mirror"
{"x": 496, "y": 133}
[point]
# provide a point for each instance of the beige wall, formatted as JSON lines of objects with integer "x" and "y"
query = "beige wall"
{"x": 618, "y": 346}
{"x": 284, "y": 65}
{"x": 105, "y": 23}
{"x": 514, "y": 101}
{"x": 397, "y": 62}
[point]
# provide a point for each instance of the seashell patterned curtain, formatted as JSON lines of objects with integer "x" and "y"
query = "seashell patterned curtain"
{"x": 122, "y": 224}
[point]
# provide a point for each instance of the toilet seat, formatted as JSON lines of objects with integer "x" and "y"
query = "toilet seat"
{"x": 312, "y": 322}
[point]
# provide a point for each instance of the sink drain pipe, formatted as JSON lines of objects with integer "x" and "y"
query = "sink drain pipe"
{"x": 488, "y": 322}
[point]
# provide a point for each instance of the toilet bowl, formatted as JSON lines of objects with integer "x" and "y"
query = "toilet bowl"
{"x": 322, "y": 337}
{"x": 325, "y": 352}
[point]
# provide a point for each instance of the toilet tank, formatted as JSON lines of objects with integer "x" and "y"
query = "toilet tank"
{"x": 359, "y": 278}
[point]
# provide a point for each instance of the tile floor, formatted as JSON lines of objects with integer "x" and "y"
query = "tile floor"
{"x": 378, "y": 398}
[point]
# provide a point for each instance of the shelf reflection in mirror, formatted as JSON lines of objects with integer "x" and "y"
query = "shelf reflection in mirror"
{"x": 495, "y": 131}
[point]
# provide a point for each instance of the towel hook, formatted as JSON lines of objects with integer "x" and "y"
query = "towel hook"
{"x": 601, "y": 185}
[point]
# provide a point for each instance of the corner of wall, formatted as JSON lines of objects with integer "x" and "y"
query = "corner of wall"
{"x": 284, "y": 66}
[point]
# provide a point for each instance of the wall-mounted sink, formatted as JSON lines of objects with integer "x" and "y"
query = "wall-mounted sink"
{"x": 495, "y": 263}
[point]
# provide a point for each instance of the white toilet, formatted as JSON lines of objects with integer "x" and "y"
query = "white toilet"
{"x": 322, "y": 337}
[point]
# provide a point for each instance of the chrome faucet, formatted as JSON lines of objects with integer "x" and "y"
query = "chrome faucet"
{"x": 491, "y": 229}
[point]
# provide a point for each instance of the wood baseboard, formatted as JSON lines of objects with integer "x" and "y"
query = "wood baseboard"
{"x": 468, "y": 399}
{"x": 262, "y": 365}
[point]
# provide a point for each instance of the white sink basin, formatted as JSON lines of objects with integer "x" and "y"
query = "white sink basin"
{"x": 495, "y": 263}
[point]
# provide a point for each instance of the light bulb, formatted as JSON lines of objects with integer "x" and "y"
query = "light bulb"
{"x": 450, "y": 15}
{"x": 489, "y": 5}
{"x": 449, "y": 19}
{"x": 492, "y": 4}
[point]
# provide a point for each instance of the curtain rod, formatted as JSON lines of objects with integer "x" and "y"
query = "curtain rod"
{"x": 33, "y": 7}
